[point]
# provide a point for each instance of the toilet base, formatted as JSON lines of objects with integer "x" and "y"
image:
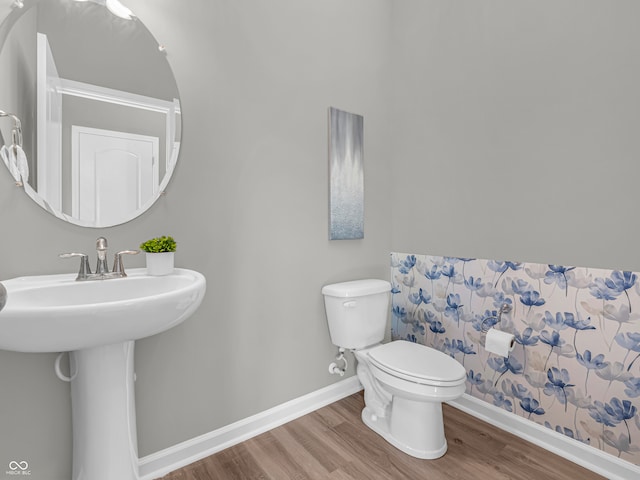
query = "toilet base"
{"x": 415, "y": 428}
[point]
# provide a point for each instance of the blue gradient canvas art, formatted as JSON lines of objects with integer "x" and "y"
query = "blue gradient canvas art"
{"x": 346, "y": 175}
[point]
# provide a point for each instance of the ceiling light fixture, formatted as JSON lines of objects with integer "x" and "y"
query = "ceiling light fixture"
{"x": 119, "y": 10}
{"x": 115, "y": 7}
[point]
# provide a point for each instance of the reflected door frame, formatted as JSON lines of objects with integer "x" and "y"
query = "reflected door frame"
{"x": 49, "y": 126}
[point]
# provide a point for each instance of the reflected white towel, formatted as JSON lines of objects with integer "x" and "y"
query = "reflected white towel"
{"x": 9, "y": 159}
{"x": 22, "y": 164}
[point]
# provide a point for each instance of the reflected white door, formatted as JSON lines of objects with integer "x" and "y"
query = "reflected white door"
{"x": 113, "y": 174}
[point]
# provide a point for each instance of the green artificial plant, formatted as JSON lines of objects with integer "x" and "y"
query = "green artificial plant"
{"x": 159, "y": 245}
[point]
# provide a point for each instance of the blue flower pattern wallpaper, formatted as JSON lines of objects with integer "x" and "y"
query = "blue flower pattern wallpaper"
{"x": 575, "y": 367}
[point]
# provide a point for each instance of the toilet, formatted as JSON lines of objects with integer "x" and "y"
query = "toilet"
{"x": 404, "y": 383}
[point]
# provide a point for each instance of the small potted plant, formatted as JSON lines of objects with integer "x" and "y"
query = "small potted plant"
{"x": 160, "y": 252}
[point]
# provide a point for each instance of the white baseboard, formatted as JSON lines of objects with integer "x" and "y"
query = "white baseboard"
{"x": 160, "y": 463}
{"x": 592, "y": 458}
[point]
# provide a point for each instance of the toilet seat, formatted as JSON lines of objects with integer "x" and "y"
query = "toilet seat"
{"x": 418, "y": 364}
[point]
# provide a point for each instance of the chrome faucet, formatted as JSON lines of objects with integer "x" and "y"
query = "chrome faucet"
{"x": 102, "y": 268}
{"x": 101, "y": 249}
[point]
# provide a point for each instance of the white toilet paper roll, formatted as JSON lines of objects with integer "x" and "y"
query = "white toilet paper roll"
{"x": 499, "y": 342}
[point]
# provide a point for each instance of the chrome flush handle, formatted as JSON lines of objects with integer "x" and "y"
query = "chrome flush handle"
{"x": 3, "y": 296}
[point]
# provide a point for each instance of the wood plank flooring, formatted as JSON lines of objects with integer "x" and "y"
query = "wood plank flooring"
{"x": 333, "y": 444}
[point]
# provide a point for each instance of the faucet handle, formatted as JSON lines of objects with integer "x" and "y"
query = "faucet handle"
{"x": 118, "y": 265}
{"x": 85, "y": 269}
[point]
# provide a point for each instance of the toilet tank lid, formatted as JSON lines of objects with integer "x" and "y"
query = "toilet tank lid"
{"x": 357, "y": 288}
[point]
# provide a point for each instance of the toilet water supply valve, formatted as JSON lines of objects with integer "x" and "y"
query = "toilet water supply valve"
{"x": 334, "y": 368}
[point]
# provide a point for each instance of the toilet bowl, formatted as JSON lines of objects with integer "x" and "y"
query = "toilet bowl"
{"x": 416, "y": 380}
{"x": 404, "y": 383}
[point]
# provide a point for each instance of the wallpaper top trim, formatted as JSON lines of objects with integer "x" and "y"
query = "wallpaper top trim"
{"x": 575, "y": 367}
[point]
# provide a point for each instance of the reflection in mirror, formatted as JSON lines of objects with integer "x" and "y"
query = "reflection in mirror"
{"x": 99, "y": 108}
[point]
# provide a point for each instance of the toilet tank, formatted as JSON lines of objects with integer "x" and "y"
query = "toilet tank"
{"x": 357, "y": 312}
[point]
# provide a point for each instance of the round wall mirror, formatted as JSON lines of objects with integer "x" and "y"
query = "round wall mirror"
{"x": 98, "y": 106}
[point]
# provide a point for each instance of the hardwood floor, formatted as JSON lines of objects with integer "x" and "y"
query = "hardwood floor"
{"x": 333, "y": 444}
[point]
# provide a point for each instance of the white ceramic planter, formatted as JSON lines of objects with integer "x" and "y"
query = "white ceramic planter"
{"x": 160, "y": 263}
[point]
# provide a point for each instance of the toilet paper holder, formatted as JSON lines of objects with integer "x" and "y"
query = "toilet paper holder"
{"x": 504, "y": 308}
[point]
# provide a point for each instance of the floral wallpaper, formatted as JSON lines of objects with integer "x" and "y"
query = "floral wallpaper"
{"x": 575, "y": 367}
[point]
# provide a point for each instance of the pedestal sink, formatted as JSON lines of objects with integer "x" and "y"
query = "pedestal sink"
{"x": 98, "y": 322}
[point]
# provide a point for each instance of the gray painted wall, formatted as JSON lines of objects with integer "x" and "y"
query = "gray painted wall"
{"x": 248, "y": 207}
{"x": 516, "y": 130}
{"x": 510, "y": 132}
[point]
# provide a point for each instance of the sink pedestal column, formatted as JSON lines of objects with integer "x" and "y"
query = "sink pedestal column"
{"x": 105, "y": 445}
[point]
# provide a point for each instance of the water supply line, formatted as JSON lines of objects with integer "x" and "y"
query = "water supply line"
{"x": 58, "y": 370}
{"x": 334, "y": 368}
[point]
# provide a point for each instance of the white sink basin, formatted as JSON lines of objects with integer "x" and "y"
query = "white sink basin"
{"x": 98, "y": 321}
{"x": 55, "y": 313}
